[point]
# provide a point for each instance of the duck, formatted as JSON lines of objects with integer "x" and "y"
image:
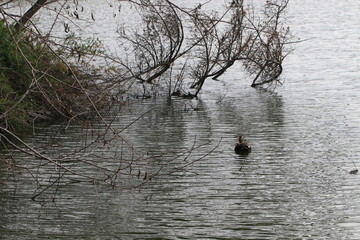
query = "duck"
{"x": 354, "y": 171}
{"x": 242, "y": 147}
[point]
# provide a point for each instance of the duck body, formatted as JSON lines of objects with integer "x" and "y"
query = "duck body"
{"x": 242, "y": 147}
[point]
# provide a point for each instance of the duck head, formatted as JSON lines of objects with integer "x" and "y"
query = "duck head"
{"x": 241, "y": 139}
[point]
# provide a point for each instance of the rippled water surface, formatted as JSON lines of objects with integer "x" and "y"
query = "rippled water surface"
{"x": 294, "y": 185}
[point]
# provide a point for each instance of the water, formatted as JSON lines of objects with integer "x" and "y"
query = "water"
{"x": 294, "y": 185}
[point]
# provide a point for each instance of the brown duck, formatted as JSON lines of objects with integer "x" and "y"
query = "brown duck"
{"x": 242, "y": 147}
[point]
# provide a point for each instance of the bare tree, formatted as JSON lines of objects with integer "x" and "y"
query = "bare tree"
{"x": 269, "y": 48}
{"x": 30, "y": 13}
{"x": 213, "y": 44}
{"x": 235, "y": 40}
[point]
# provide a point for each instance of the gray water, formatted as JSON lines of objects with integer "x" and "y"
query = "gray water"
{"x": 293, "y": 185}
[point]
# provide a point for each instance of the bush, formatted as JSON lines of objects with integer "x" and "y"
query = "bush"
{"x": 34, "y": 81}
{"x": 14, "y": 80}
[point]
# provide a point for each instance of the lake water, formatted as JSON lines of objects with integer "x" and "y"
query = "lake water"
{"x": 293, "y": 185}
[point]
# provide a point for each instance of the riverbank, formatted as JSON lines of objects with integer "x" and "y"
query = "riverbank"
{"x": 37, "y": 84}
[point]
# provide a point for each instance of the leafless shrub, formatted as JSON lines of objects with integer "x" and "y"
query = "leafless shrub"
{"x": 212, "y": 45}
{"x": 268, "y": 49}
